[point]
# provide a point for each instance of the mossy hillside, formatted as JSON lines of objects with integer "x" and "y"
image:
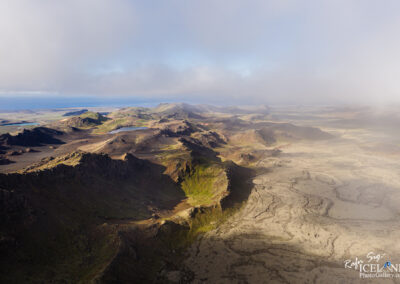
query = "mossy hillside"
{"x": 205, "y": 185}
{"x": 139, "y": 112}
{"x": 112, "y": 124}
{"x": 85, "y": 120}
{"x": 144, "y": 257}
{"x": 102, "y": 124}
{"x": 116, "y": 123}
{"x": 93, "y": 115}
{"x": 209, "y": 219}
{"x": 72, "y": 159}
{"x": 166, "y": 250}
{"x": 133, "y": 116}
{"x": 175, "y": 158}
{"x": 202, "y": 178}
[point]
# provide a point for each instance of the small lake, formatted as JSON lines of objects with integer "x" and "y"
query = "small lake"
{"x": 124, "y": 129}
{"x": 20, "y": 124}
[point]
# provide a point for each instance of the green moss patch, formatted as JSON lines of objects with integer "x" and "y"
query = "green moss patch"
{"x": 205, "y": 185}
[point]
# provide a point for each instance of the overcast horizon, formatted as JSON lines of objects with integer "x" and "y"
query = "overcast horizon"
{"x": 250, "y": 52}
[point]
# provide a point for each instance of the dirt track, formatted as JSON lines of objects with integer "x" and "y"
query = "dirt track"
{"x": 321, "y": 203}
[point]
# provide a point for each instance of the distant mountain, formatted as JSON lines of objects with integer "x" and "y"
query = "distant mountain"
{"x": 271, "y": 132}
{"x": 259, "y": 109}
{"x": 73, "y": 113}
{"x": 186, "y": 111}
{"x": 84, "y": 120}
{"x": 177, "y": 111}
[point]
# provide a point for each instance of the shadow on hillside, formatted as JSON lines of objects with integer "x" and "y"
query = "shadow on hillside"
{"x": 240, "y": 185}
{"x": 49, "y": 220}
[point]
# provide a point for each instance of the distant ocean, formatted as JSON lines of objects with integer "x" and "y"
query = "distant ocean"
{"x": 30, "y": 102}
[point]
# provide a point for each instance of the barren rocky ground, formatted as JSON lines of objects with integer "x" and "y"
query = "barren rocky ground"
{"x": 319, "y": 204}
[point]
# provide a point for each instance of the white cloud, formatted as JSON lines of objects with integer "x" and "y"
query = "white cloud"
{"x": 269, "y": 51}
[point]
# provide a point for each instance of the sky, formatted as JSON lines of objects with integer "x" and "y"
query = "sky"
{"x": 249, "y": 51}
